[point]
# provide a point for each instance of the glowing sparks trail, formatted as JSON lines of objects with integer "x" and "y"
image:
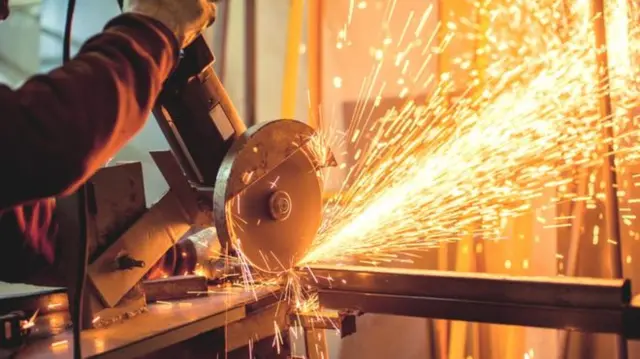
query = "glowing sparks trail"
{"x": 439, "y": 170}
{"x": 464, "y": 163}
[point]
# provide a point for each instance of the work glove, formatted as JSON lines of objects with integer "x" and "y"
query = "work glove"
{"x": 187, "y": 19}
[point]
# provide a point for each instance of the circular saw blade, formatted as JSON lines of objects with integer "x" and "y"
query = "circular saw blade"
{"x": 268, "y": 197}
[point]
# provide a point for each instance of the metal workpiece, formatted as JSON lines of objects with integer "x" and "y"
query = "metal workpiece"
{"x": 622, "y": 320}
{"x": 549, "y": 291}
{"x": 575, "y": 304}
{"x": 175, "y": 288}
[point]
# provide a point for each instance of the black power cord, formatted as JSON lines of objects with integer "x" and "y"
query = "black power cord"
{"x": 82, "y": 198}
{"x": 66, "y": 46}
{"x": 82, "y": 271}
{"x": 76, "y": 311}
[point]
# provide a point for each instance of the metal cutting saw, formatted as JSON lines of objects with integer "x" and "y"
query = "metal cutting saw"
{"x": 260, "y": 187}
{"x": 264, "y": 181}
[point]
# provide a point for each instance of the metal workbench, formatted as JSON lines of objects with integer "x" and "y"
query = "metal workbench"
{"x": 244, "y": 319}
{"x": 572, "y": 304}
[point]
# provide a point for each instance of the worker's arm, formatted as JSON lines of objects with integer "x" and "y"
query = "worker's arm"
{"x": 58, "y": 129}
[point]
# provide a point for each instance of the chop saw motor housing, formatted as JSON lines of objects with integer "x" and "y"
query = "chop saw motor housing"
{"x": 196, "y": 115}
{"x": 267, "y": 196}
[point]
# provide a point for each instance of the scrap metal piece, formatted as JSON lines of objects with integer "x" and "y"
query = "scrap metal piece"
{"x": 174, "y": 288}
{"x": 268, "y": 198}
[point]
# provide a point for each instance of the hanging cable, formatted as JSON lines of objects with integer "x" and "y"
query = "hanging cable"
{"x": 76, "y": 311}
{"x": 66, "y": 45}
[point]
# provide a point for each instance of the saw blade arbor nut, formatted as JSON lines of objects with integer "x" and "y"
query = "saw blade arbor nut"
{"x": 280, "y": 205}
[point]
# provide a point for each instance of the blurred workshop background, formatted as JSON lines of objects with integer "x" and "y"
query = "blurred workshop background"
{"x": 280, "y": 59}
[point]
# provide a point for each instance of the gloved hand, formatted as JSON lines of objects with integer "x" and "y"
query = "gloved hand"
{"x": 186, "y": 18}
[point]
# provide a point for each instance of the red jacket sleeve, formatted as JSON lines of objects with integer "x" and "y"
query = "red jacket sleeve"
{"x": 58, "y": 129}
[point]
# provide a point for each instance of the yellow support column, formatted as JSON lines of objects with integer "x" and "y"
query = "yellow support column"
{"x": 291, "y": 63}
{"x": 314, "y": 55}
{"x": 455, "y": 335}
{"x": 459, "y": 329}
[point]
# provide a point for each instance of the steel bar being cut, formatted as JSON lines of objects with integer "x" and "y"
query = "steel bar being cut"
{"x": 575, "y": 304}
